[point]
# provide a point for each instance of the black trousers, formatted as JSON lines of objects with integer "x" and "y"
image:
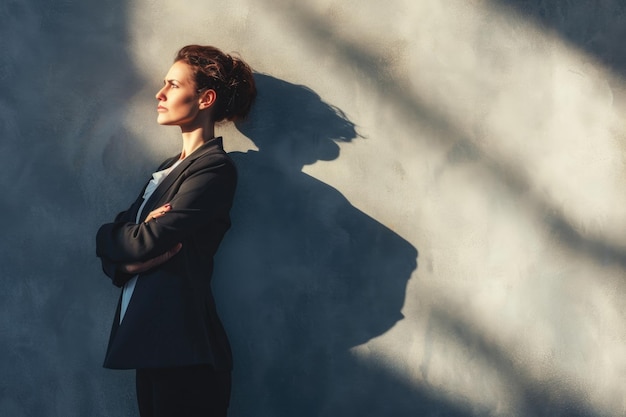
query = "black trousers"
{"x": 194, "y": 391}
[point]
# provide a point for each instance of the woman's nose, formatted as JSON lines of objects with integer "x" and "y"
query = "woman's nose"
{"x": 159, "y": 95}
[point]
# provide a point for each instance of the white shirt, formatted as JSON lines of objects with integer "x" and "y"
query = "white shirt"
{"x": 157, "y": 178}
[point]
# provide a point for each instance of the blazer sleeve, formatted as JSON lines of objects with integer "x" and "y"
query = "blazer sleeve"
{"x": 204, "y": 196}
{"x": 118, "y": 277}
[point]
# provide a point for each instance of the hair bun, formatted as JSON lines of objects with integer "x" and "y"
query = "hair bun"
{"x": 242, "y": 90}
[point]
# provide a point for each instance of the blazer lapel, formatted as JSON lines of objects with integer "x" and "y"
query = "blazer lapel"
{"x": 171, "y": 178}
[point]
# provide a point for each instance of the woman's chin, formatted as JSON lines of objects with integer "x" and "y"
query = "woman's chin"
{"x": 163, "y": 121}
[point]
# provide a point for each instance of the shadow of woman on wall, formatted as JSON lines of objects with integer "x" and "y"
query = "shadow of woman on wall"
{"x": 303, "y": 275}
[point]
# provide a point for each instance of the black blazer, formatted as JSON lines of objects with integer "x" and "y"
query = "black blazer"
{"x": 172, "y": 319}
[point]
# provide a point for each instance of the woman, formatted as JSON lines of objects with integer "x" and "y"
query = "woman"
{"x": 161, "y": 249}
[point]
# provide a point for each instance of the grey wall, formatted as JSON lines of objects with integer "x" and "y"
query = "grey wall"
{"x": 487, "y": 136}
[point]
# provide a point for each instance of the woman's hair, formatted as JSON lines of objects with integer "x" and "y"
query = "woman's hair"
{"x": 230, "y": 77}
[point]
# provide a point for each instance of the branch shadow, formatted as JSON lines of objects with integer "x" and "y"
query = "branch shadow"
{"x": 598, "y": 29}
{"x": 537, "y": 398}
{"x": 303, "y": 275}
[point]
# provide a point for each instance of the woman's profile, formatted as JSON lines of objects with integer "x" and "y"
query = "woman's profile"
{"x": 160, "y": 250}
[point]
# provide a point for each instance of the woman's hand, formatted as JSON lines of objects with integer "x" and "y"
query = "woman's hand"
{"x": 138, "y": 267}
{"x": 158, "y": 212}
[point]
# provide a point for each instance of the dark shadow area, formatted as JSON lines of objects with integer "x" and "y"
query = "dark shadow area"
{"x": 536, "y": 398}
{"x": 65, "y": 79}
{"x": 304, "y": 276}
{"x": 427, "y": 119}
{"x": 598, "y": 28}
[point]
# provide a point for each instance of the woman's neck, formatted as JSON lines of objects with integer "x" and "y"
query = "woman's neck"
{"x": 194, "y": 138}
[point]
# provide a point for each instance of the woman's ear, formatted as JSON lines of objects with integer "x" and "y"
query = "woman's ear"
{"x": 207, "y": 99}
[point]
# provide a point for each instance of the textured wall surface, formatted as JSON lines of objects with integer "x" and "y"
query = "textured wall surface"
{"x": 430, "y": 219}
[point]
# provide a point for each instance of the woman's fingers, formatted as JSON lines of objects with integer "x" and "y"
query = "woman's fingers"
{"x": 174, "y": 250}
{"x": 158, "y": 212}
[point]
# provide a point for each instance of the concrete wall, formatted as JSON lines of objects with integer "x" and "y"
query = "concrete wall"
{"x": 485, "y": 135}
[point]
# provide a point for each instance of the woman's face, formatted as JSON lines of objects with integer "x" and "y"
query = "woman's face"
{"x": 179, "y": 102}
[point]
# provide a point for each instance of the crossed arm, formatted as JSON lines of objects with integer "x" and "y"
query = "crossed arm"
{"x": 203, "y": 198}
{"x": 134, "y": 268}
